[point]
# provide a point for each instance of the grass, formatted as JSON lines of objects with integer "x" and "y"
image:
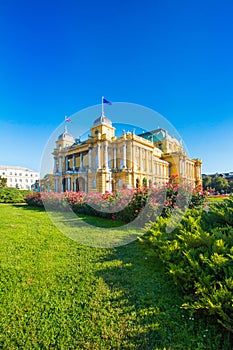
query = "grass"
{"x": 58, "y": 294}
{"x": 216, "y": 199}
{"x": 94, "y": 231}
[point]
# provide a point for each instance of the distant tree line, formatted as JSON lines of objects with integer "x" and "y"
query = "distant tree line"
{"x": 217, "y": 184}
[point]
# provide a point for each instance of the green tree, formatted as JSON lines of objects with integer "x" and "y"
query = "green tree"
{"x": 220, "y": 184}
{"x": 206, "y": 182}
{"x": 144, "y": 182}
{"x": 3, "y": 182}
{"x": 231, "y": 186}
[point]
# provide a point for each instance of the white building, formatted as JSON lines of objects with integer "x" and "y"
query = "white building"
{"x": 19, "y": 177}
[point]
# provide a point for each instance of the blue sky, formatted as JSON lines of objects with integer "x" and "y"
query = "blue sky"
{"x": 59, "y": 57}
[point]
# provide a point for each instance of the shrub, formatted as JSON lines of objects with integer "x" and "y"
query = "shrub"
{"x": 198, "y": 254}
{"x": 124, "y": 205}
{"x": 12, "y": 195}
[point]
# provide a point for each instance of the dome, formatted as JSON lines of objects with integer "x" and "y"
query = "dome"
{"x": 102, "y": 119}
{"x": 65, "y": 136}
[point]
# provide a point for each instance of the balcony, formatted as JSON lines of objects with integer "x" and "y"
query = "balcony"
{"x": 76, "y": 170}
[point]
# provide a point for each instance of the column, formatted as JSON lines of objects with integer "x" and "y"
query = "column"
{"x": 55, "y": 165}
{"x": 85, "y": 185}
{"x": 140, "y": 158}
{"x": 74, "y": 162}
{"x": 56, "y": 185}
{"x": 74, "y": 185}
{"x": 106, "y": 155}
{"x": 98, "y": 156}
{"x": 81, "y": 160}
{"x": 184, "y": 170}
{"x": 181, "y": 166}
{"x": 68, "y": 183}
{"x": 124, "y": 155}
{"x": 90, "y": 158}
{"x": 147, "y": 161}
{"x": 60, "y": 164}
{"x": 67, "y": 164}
{"x": 135, "y": 163}
{"x": 114, "y": 157}
{"x": 131, "y": 155}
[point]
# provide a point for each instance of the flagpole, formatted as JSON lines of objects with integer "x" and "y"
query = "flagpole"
{"x": 102, "y": 105}
{"x": 65, "y": 124}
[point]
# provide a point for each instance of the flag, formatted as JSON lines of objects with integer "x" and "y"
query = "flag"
{"x": 106, "y": 101}
{"x": 67, "y": 119}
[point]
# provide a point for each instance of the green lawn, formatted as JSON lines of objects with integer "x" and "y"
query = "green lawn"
{"x": 216, "y": 199}
{"x": 57, "y": 294}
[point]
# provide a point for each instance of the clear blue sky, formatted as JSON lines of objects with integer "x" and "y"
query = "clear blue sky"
{"x": 58, "y": 57}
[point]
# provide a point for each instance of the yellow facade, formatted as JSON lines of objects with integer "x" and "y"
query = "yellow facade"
{"x": 105, "y": 162}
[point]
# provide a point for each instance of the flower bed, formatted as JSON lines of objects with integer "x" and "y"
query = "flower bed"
{"x": 125, "y": 205}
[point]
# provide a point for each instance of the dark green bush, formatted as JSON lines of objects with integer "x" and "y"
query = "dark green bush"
{"x": 198, "y": 255}
{"x": 12, "y": 195}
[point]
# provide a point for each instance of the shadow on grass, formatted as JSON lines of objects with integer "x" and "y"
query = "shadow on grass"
{"x": 27, "y": 207}
{"x": 154, "y": 303}
{"x": 91, "y": 220}
{"x": 147, "y": 294}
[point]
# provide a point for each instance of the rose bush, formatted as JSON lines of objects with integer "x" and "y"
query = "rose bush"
{"x": 126, "y": 204}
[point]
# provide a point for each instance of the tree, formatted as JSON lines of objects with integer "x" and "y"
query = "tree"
{"x": 220, "y": 184}
{"x": 3, "y": 182}
{"x": 206, "y": 182}
{"x": 231, "y": 186}
{"x": 144, "y": 182}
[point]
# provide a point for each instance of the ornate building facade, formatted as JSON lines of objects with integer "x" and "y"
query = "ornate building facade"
{"x": 104, "y": 162}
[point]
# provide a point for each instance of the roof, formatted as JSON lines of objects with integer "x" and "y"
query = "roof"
{"x": 102, "y": 120}
{"x": 154, "y": 135}
{"x": 65, "y": 136}
{"x": 16, "y": 167}
{"x": 158, "y": 135}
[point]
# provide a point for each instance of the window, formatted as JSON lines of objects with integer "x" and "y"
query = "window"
{"x": 143, "y": 164}
{"x": 121, "y": 163}
{"x": 109, "y": 161}
{"x": 96, "y": 161}
{"x": 10, "y": 172}
{"x": 10, "y": 180}
{"x": 20, "y": 180}
{"x": 20, "y": 174}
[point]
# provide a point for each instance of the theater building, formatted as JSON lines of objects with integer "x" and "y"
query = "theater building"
{"x": 104, "y": 162}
